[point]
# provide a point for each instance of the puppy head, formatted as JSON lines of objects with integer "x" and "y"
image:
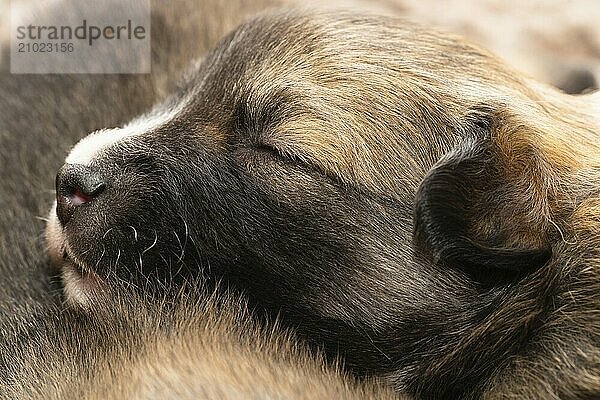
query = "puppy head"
{"x": 364, "y": 176}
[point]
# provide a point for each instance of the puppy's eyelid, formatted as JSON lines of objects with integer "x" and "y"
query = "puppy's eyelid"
{"x": 279, "y": 153}
{"x": 261, "y": 146}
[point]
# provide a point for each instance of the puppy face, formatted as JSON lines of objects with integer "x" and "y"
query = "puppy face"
{"x": 372, "y": 182}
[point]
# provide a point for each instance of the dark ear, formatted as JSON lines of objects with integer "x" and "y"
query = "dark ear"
{"x": 469, "y": 213}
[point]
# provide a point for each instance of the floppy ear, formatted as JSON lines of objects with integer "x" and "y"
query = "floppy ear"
{"x": 470, "y": 213}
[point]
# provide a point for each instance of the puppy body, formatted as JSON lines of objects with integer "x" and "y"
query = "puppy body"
{"x": 189, "y": 347}
{"x": 372, "y": 134}
{"x": 553, "y": 42}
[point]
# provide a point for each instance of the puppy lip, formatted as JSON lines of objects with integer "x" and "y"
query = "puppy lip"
{"x": 61, "y": 255}
{"x": 70, "y": 261}
{"x": 80, "y": 285}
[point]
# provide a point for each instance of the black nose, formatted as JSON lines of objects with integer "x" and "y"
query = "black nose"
{"x": 76, "y": 184}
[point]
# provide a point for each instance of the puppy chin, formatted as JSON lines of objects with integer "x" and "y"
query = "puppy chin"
{"x": 80, "y": 285}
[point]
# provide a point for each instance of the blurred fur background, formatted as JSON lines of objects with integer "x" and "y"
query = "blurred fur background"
{"x": 554, "y": 41}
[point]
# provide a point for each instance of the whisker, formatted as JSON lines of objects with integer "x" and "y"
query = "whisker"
{"x": 135, "y": 233}
{"x": 117, "y": 260}
{"x": 107, "y": 232}
{"x": 101, "y": 256}
{"x": 180, "y": 246}
{"x": 141, "y": 263}
{"x": 187, "y": 233}
{"x": 153, "y": 244}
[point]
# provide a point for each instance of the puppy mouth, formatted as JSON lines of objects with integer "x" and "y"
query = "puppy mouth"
{"x": 70, "y": 262}
{"x": 80, "y": 283}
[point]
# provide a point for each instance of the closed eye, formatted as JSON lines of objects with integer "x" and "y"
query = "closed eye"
{"x": 265, "y": 148}
{"x": 278, "y": 154}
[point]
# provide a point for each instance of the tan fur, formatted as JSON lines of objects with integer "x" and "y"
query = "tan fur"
{"x": 550, "y": 140}
{"x": 550, "y": 151}
{"x": 549, "y": 144}
{"x": 200, "y": 347}
{"x": 553, "y": 41}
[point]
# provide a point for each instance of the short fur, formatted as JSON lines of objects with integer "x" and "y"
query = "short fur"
{"x": 318, "y": 136}
{"x": 311, "y": 147}
{"x": 198, "y": 345}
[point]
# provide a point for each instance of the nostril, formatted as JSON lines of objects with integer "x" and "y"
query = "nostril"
{"x": 82, "y": 196}
{"x": 86, "y": 189}
{"x": 79, "y": 198}
{"x": 578, "y": 81}
{"x": 76, "y": 184}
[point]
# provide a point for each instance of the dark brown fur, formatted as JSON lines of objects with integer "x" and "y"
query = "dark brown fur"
{"x": 307, "y": 143}
{"x": 316, "y": 137}
{"x": 194, "y": 346}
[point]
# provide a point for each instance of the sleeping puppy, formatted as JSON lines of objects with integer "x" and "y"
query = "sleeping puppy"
{"x": 197, "y": 345}
{"x": 42, "y": 116}
{"x": 397, "y": 196}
